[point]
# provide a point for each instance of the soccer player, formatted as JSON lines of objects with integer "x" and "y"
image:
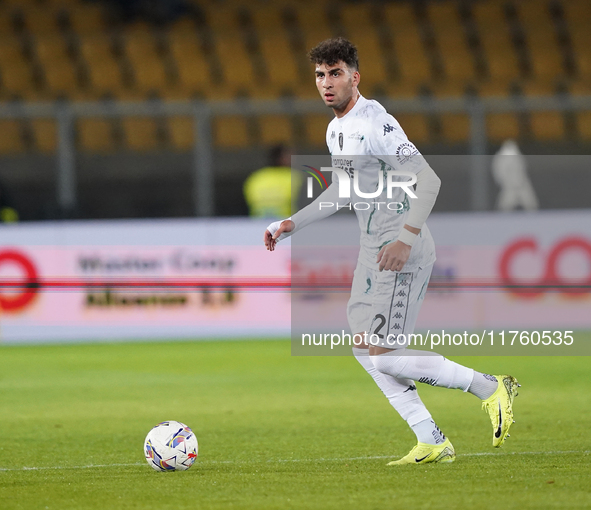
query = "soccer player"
{"x": 396, "y": 255}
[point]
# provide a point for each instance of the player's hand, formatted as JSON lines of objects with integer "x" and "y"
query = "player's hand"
{"x": 393, "y": 256}
{"x": 270, "y": 238}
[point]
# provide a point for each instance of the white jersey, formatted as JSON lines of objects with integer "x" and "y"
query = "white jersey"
{"x": 369, "y": 141}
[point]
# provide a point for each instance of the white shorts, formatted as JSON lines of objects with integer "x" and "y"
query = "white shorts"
{"x": 386, "y": 304}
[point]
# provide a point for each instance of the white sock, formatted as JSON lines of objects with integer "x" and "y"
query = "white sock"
{"x": 427, "y": 432}
{"x": 483, "y": 385}
{"x": 424, "y": 367}
{"x": 401, "y": 393}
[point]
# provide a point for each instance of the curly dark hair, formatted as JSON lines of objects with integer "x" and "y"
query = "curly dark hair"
{"x": 329, "y": 52}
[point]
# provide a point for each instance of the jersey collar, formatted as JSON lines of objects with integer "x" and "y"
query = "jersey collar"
{"x": 352, "y": 111}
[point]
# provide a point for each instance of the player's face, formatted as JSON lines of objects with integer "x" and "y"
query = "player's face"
{"x": 337, "y": 84}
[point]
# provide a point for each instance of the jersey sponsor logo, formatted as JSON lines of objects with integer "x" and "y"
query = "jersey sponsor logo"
{"x": 388, "y": 128}
{"x": 344, "y": 164}
{"x": 405, "y": 151}
{"x": 340, "y": 162}
{"x": 341, "y": 140}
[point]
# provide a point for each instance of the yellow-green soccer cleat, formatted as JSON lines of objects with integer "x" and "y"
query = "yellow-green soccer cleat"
{"x": 424, "y": 453}
{"x": 500, "y": 407}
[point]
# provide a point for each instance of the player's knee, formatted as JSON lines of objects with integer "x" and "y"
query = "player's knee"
{"x": 389, "y": 364}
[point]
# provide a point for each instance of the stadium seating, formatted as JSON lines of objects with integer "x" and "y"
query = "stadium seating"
{"x": 11, "y": 140}
{"x": 451, "y": 40}
{"x": 500, "y": 57}
{"x": 181, "y": 133}
{"x": 253, "y": 49}
{"x": 193, "y": 75}
{"x": 276, "y": 129}
{"x": 314, "y": 127}
{"x": 45, "y": 134}
{"x": 231, "y": 132}
{"x": 95, "y": 135}
{"x": 103, "y": 71}
{"x": 415, "y": 126}
{"x": 502, "y": 126}
{"x": 87, "y": 19}
{"x": 545, "y": 56}
{"x": 140, "y": 51}
{"x": 544, "y": 125}
{"x": 412, "y": 59}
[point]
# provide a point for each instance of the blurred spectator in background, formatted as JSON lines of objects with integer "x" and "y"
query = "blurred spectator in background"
{"x": 7, "y": 213}
{"x": 272, "y": 191}
{"x": 509, "y": 169}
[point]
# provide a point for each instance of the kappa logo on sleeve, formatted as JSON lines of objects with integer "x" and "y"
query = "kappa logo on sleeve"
{"x": 388, "y": 128}
{"x": 405, "y": 151}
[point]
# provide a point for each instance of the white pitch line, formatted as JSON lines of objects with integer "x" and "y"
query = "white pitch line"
{"x": 321, "y": 459}
{"x": 89, "y": 466}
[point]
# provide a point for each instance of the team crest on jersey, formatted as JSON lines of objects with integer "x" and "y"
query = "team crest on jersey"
{"x": 405, "y": 151}
{"x": 332, "y": 135}
{"x": 341, "y": 140}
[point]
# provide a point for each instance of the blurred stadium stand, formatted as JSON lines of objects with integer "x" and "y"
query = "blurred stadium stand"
{"x": 75, "y": 50}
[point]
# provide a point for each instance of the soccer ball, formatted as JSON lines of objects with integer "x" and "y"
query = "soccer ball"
{"x": 171, "y": 446}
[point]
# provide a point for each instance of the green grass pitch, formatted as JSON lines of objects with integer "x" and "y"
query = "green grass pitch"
{"x": 275, "y": 431}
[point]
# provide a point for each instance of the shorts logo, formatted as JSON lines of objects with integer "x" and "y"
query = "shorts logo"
{"x": 388, "y": 128}
{"x": 405, "y": 151}
{"x": 341, "y": 140}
